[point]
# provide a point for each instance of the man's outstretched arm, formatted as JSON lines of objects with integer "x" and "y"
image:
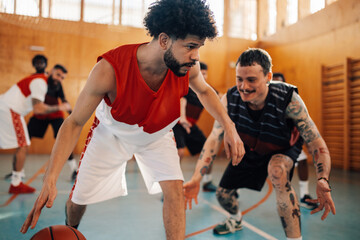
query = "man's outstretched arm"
{"x": 100, "y": 82}
{"x": 297, "y": 111}
{"x": 206, "y": 158}
{"x": 233, "y": 145}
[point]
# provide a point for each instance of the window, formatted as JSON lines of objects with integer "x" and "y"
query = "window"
{"x": 272, "y": 16}
{"x": 101, "y": 11}
{"x": 316, "y": 5}
{"x": 133, "y": 12}
{"x": 217, "y": 7}
{"x": 243, "y": 19}
{"x": 328, "y": 2}
{"x": 65, "y": 9}
{"x": 292, "y": 11}
{"x": 27, "y": 8}
{"x": 7, "y": 6}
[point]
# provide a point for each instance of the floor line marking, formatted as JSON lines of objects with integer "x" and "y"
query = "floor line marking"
{"x": 222, "y": 211}
{"x": 40, "y": 171}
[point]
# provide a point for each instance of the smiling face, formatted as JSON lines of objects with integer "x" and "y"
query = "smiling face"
{"x": 183, "y": 54}
{"x": 252, "y": 85}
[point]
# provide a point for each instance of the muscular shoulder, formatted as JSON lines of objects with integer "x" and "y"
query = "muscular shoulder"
{"x": 102, "y": 78}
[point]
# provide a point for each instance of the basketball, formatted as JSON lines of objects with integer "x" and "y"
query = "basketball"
{"x": 58, "y": 232}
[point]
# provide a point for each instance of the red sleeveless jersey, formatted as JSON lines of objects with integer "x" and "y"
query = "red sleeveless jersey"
{"x": 24, "y": 84}
{"x": 135, "y": 102}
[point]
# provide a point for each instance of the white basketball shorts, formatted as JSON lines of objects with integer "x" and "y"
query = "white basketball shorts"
{"x": 101, "y": 174}
{"x": 13, "y": 129}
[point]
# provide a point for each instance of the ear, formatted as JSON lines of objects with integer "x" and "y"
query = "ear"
{"x": 164, "y": 40}
{"x": 269, "y": 77}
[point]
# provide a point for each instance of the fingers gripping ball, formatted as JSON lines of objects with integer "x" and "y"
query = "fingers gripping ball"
{"x": 58, "y": 232}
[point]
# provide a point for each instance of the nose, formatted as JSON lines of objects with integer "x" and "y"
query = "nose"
{"x": 195, "y": 55}
{"x": 243, "y": 85}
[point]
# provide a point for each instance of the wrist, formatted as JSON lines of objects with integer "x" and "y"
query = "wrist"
{"x": 324, "y": 179}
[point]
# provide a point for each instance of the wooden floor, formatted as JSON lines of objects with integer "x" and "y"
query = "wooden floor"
{"x": 139, "y": 215}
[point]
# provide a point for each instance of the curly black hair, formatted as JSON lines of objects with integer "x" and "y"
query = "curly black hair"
{"x": 39, "y": 57}
{"x": 178, "y": 18}
{"x": 256, "y": 55}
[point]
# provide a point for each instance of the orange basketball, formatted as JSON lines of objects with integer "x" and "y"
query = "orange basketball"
{"x": 58, "y": 232}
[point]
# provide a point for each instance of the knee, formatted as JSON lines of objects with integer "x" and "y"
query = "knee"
{"x": 279, "y": 175}
{"x": 227, "y": 199}
{"x": 172, "y": 190}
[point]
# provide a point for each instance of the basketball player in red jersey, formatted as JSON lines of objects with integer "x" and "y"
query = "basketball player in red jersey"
{"x": 25, "y": 96}
{"x": 136, "y": 90}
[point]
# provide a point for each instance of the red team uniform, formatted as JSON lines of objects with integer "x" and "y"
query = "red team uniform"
{"x": 138, "y": 123}
{"x": 14, "y": 105}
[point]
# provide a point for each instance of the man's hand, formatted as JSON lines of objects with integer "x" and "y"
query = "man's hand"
{"x": 323, "y": 192}
{"x": 191, "y": 191}
{"x": 185, "y": 124}
{"x": 46, "y": 197}
{"x": 65, "y": 107}
{"x": 234, "y": 147}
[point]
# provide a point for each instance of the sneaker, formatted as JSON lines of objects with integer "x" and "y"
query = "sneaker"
{"x": 209, "y": 187}
{"x": 230, "y": 225}
{"x": 306, "y": 204}
{"x": 21, "y": 189}
{"x": 73, "y": 176}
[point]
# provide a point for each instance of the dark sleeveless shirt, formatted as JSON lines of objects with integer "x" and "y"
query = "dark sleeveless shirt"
{"x": 272, "y": 132}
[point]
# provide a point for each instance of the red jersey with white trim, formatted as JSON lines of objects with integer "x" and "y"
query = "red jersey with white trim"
{"x": 19, "y": 96}
{"x": 138, "y": 114}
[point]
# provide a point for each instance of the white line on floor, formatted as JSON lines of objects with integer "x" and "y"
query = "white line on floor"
{"x": 245, "y": 224}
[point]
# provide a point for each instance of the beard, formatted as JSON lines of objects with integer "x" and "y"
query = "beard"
{"x": 53, "y": 84}
{"x": 173, "y": 64}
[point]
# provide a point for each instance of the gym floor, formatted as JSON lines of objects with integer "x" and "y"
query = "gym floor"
{"x": 139, "y": 215}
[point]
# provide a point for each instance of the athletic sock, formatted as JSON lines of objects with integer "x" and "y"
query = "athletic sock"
{"x": 72, "y": 164}
{"x": 23, "y": 173}
{"x": 237, "y": 216}
{"x": 16, "y": 178}
{"x": 299, "y": 238}
{"x": 304, "y": 188}
{"x": 207, "y": 178}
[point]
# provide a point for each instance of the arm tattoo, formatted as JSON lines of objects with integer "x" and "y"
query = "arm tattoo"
{"x": 201, "y": 154}
{"x": 204, "y": 170}
{"x": 316, "y": 154}
{"x": 296, "y": 110}
{"x": 319, "y": 168}
{"x": 217, "y": 125}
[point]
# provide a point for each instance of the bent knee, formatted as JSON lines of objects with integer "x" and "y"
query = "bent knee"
{"x": 279, "y": 170}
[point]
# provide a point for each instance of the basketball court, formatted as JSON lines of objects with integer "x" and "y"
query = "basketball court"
{"x": 139, "y": 215}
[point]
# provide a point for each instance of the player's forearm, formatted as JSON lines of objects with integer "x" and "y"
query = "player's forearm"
{"x": 183, "y": 103}
{"x": 208, "y": 154}
{"x": 321, "y": 158}
{"x": 64, "y": 145}
{"x": 42, "y": 108}
{"x": 212, "y": 103}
